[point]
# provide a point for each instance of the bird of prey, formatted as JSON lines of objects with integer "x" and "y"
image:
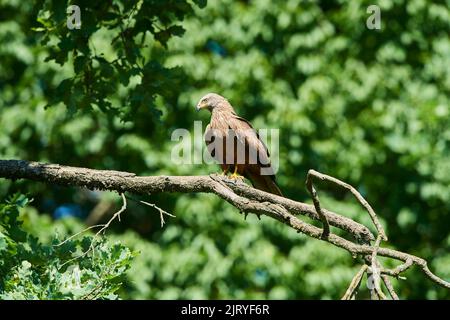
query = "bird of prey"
{"x": 232, "y": 141}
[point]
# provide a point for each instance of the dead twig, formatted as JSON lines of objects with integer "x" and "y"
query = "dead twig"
{"x": 354, "y": 284}
{"x": 102, "y": 230}
{"x": 399, "y": 269}
{"x": 115, "y": 215}
{"x": 389, "y": 286}
{"x": 161, "y": 212}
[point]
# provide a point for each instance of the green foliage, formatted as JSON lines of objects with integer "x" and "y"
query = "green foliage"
{"x": 128, "y": 63}
{"x": 370, "y": 107}
{"x": 30, "y": 269}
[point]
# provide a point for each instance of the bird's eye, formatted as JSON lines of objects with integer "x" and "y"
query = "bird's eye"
{"x": 203, "y": 100}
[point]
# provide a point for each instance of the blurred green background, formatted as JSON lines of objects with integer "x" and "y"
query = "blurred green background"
{"x": 370, "y": 107}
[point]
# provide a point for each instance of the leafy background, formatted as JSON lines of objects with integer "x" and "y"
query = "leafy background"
{"x": 370, "y": 107}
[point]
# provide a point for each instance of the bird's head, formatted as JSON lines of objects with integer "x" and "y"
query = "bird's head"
{"x": 210, "y": 101}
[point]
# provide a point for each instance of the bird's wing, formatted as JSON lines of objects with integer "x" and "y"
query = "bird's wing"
{"x": 213, "y": 138}
{"x": 248, "y": 136}
{"x": 216, "y": 137}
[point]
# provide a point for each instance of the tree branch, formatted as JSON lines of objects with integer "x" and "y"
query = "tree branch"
{"x": 389, "y": 286}
{"x": 312, "y": 191}
{"x": 238, "y": 194}
{"x": 354, "y": 284}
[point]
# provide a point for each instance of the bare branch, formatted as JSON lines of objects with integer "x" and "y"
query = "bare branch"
{"x": 373, "y": 284}
{"x": 357, "y": 230}
{"x": 102, "y": 226}
{"x": 357, "y": 195}
{"x": 354, "y": 284}
{"x": 103, "y": 229}
{"x": 78, "y": 233}
{"x": 161, "y": 212}
{"x": 399, "y": 269}
{"x": 241, "y": 196}
{"x": 375, "y": 269}
{"x": 315, "y": 198}
{"x": 389, "y": 286}
{"x": 115, "y": 215}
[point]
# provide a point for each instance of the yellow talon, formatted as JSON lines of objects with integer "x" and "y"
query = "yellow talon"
{"x": 235, "y": 175}
{"x": 224, "y": 173}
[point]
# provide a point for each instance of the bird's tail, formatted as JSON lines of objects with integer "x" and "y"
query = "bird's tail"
{"x": 266, "y": 183}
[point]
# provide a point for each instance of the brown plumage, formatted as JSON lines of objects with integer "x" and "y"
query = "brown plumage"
{"x": 234, "y": 143}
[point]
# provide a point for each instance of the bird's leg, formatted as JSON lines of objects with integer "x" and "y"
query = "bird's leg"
{"x": 224, "y": 172}
{"x": 235, "y": 175}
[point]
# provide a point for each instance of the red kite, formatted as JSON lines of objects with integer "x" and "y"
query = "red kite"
{"x": 232, "y": 141}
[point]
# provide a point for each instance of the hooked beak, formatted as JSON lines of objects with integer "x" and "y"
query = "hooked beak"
{"x": 199, "y": 106}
